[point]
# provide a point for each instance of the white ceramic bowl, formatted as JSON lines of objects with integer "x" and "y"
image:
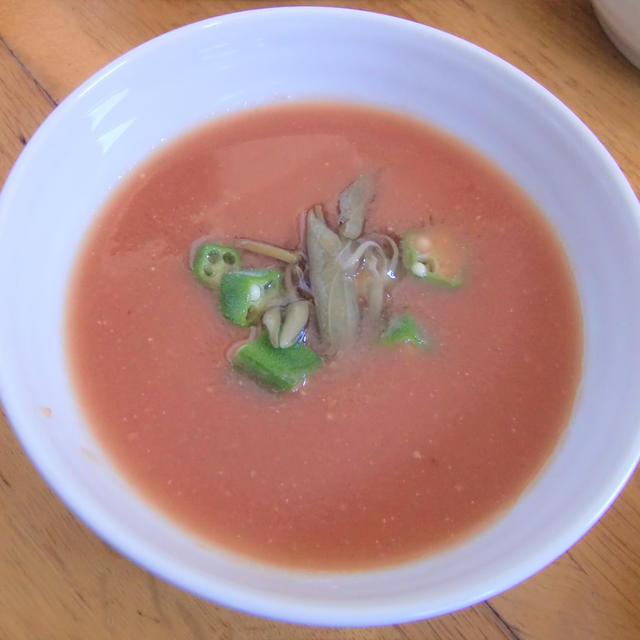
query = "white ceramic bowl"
{"x": 174, "y": 82}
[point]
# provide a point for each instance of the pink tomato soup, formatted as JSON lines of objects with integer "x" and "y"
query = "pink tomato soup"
{"x": 387, "y": 453}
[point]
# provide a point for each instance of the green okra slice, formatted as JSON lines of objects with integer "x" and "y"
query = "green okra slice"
{"x": 434, "y": 254}
{"x": 404, "y": 329}
{"x": 245, "y": 294}
{"x": 212, "y": 261}
{"x": 275, "y": 368}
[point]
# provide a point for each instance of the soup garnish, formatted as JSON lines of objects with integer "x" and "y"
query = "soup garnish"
{"x": 212, "y": 261}
{"x": 338, "y": 280}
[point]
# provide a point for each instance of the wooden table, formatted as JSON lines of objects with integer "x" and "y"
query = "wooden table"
{"x": 58, "y": 581}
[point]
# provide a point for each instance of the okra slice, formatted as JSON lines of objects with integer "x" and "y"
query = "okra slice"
{"x": 275, "y": 368}
{"x": 245, "y": 294}
{"x": 404, "y": 329}
{"x": 212, "y": 261}
{"x": 434, "y": 254}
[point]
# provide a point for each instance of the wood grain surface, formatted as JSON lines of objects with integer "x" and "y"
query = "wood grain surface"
{"x": 58, "y": 581}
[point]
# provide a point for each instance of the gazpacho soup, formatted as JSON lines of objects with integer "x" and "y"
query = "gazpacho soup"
{"x": 324, "y": 336}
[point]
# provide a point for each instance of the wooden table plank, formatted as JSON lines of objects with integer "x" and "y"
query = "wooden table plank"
{"x": 23, "y": 106}
{"x": 473, "y": 623}
{"x": 57, "y": 580}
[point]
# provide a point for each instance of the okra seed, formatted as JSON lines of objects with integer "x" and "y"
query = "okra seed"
{"x": 213, "y": 257}
{"x": 254, "y": 292}
{"x": 229, "y": 258}
{"x": 418, "y": 269}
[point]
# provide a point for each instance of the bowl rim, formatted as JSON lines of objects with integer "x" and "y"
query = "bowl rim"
{"x": 257, "y": 602}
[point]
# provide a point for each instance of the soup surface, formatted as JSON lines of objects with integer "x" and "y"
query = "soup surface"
{"x": 386, "y": 453}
